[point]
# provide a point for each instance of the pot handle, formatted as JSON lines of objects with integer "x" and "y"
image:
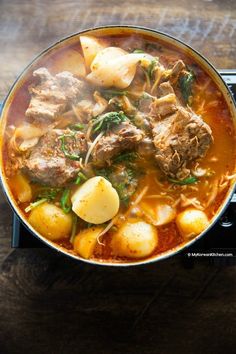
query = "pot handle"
{"x": 233, "y": 199}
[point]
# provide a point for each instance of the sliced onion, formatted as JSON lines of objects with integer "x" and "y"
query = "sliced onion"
{"x": 28, "y": 144}
{"x": 117, "y": 72}
{"x": 91, "y": 46}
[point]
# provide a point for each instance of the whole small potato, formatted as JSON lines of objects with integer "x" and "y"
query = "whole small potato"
{"x": 86, "y": 240}
{"x": 191, "y": 222}
{"x": 96, "y": 201}
{"x": 135, "y": 239}
{"x": 51, "y": 222}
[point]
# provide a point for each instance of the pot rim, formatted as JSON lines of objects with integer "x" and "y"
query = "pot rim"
{"x": 171, "y": 252}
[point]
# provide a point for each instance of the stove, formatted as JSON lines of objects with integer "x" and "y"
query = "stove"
{"x": 217, "y": 246}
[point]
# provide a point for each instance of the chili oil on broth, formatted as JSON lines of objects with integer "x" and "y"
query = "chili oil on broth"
{"x": 207, "y": 101}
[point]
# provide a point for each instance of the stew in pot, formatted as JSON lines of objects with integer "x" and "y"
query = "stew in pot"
{"x": 118, "y": 148}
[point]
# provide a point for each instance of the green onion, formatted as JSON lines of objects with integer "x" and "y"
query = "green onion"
{"x": 35, "y": 204}
{"x": 65, "y": 201}
{"x": 77, "y": 126}
{"x": 187, "y": 180}
{"x": 64, "y": 149}
{"x": 81, "y": 178}
{"x": 137, "y": 51}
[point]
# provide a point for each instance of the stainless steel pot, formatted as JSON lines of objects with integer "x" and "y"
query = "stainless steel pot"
{"x": 203, "y": 62}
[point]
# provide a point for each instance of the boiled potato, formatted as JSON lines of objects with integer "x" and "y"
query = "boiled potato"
{"x": 51, "y": 222}
{"x": 135, "y": 239}
{"x": 191, "y": 222}
{"x": 96, "y": 201}
{"x": 21, "y": 188}
{"x": 86, "y": 240}
{"x": 91, "y": 46}
{"x": 71, "y": 61}
{"x": 159, "y": 214}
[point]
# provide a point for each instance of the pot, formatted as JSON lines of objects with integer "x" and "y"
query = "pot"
{"x": 203, "y": 62}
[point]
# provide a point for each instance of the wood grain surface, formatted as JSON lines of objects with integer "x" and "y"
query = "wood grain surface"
{"x": 51, "y": 304}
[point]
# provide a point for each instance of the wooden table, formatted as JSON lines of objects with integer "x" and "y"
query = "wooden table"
{"x": 51, "y": 304}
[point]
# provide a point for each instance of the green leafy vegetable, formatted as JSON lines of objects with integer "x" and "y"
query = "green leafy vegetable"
{"x": 48, "y": 193}
{"x": 104, "y": 172}
{"x": 45, "y": 194}
{"x": 188, "y": 180}
{"x": 35, "y": 204}
{"x": 126, "y": 185}
{"x": 65, "y": 201}
{"x": 81, "y": 178}
{"x": 151, "y": 68}
{"x": 185, "y": 83}
{"x": 105, "y": 121}
{"x": 121, "y": 190}
{"x": 108, "y": 94}
{"x": 126, "y": 157}
{"x": 123, "y": 179}
{"x": 64, "y": 148}
{"x": 137, "y": 51}
{"x": 77, "y": 126}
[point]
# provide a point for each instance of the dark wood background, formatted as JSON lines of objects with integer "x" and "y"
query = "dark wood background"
{"x": 51, "y": 304}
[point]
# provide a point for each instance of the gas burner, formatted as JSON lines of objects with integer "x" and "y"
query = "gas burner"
{"x": 218, "y": 245}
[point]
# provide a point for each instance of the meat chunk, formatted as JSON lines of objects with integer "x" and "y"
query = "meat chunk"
{"x": 125, "y": 136}
{"x": 146, "y": 148}
{"x": 176, "y": 70}
{"x": 178, "y": 139}
{"x": 52, "y": 95}
{"x": 164, "y": 106}
{"x": 86, "y": 109}
{"x": 166, "y": 88}
{"x": 48, "y": 164}
{"x": 142, "y": 121}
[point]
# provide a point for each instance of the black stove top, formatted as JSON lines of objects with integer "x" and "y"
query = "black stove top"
{"x": 218, "y": 246}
